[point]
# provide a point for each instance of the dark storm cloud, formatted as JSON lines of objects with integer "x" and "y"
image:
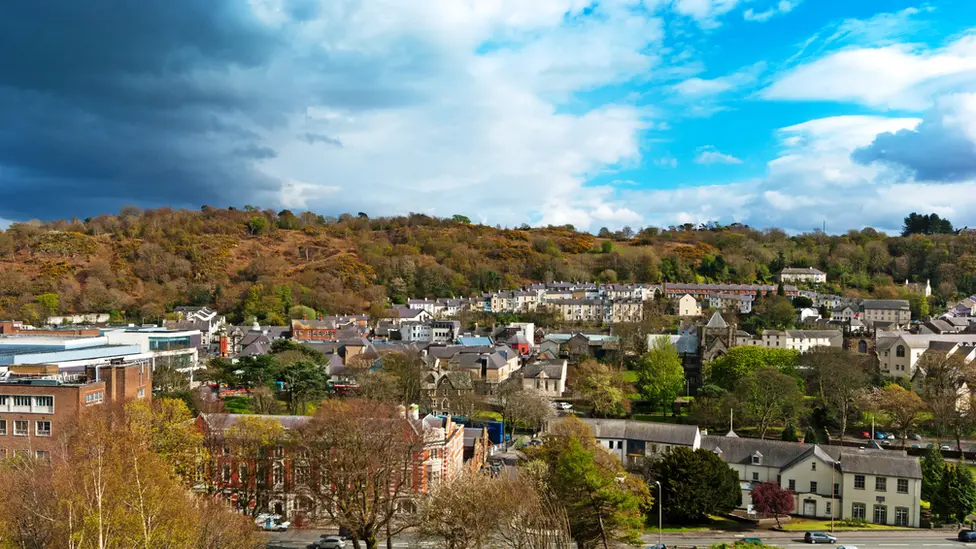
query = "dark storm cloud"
{"x": 937, "y": 150}
{"x": 108, "y": 102}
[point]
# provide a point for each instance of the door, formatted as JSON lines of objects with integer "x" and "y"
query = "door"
{"x": 809, "y": 508}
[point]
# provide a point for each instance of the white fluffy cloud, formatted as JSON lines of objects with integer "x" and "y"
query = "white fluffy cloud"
{"x": 710, "y": 155}
{"x": 477, "y": 121}
{"x": 780, "y": 8}
{"x": 897, "y": 76}
{"x": 705, "y": 12}
{"x": 698, "y": 87}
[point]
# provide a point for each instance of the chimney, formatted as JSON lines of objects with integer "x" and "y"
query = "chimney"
{"x": 414, "y": 412}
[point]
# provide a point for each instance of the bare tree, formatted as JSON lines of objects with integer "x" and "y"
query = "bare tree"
{"x": 945, "y": 378}
{"x": 839, "y": 378}
{"x": 528, "y": 407}
{"x": 361, "y": 459}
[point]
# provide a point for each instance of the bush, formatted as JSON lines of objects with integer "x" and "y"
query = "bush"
{"x": 851, "y": 522}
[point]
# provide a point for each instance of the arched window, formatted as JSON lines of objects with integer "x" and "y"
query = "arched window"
{"x": 862, "y": 346}
{"x": 900, "y": 351}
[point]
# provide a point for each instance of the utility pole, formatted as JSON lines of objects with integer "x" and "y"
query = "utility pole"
{"x": 833, "y": 493}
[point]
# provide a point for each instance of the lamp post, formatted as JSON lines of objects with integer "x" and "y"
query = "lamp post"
{"x": 660, "y": 510}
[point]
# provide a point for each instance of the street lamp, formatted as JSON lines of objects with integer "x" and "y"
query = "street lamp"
{"x": 660, "y": 510}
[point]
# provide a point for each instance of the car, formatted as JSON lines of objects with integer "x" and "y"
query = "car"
{"x": 890, "y": 436}
{"x": 885, "y": 443}
{"x": 847, "y": 547}
{"x": 880, "y": 436}
{"x": 271, "y": 523}
{"x": 562, "y": 406}
{"x": 915, "y": 436}
{"x": 917, "y": 446}
{"x": 865, "y": 434}
{"x": 818, "y": 537}
{"x": 967, "y": 536}
{"x": 330, "y": 542}
{"x": 945, "y": 448}
{"x": 657, "y": 546}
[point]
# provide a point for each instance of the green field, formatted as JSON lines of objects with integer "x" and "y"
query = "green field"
{"x": 714, "y": 523}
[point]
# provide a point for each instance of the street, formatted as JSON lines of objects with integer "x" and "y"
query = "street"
{"x": 300, "y": 539}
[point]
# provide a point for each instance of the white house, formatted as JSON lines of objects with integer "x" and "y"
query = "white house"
{"x": 634, "y": 441}
{"x": 805, "y": 274}
{"x": 546, "y": 376}
{"x": 688, "y": 306}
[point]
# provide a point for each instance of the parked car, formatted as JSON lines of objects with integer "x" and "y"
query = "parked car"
{"x": 271, "y": 523}
{"x": 565, "y": 406}
{"x": 917, "y": 446}
{"x": 967, "y": 536}
{"x": 818, "y": 537}
{"x": 915, "y": 436}
{"x": 865, "y": 434}
{"x": 890, "y": 436}
{"x": 657, "y": 546}
{"x": 945, "y": 448}
{"x": 330, "y": 542}
{"x": 880, "y": 436}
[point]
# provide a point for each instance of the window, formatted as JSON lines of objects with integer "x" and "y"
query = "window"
{"x": 279, "y": 452}
{"x": 44, "y": 456}
{"x": 22, "y": 401}
{"x": 755, "y": 477}
{"x": 792, "y": 485}
{"x": 3, "y": 427}
{"x": 301, "y": 474}
{"x": 42, "y": 428}
{"x": 94, "y": 398}
{"x": 813, "y": 465}
{"x": 903, "y": 486}
{"x": 858, "y": 511}
{"x": 900, "y": 351}
{"x": 620, "y": 445}
{"x": 881, "y": 484}
{"x": 813, "y": 487}
{"x": 3, "y": 401}
{"x": 828, "y": 509}
{"x": 779, "y": 479}
{"x": 20, "y": 427}
{"x": 881, "y": 514}
{"x": 141, "y": 393}
{"x": 901, "y": 516}
{"x": 44, "y": 403}
{"x": 226, "y": 450}
{"x": 225, "y": 476}
{"x": 278, "y": 474}
{"x": 242, "y": 473}
{"x": 858, "y": 482}
{"x": 836, "y": 490}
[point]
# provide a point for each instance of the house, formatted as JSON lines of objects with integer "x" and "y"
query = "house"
{"x": 477, "y": 448}
{"x": 396, "y": 315}
{"x": 899, "y": 352}
{"x": 579, "y": 346}
{"x": 430, "y": 306}
{"x": 592, "y": 311}
{"x": 702, "y": 291}
{"x": 802, "y": 340}
{"x": 893, "y": 312}
{"x": 688, "y": 307}
{"x": 546, "y": 376}
{"x": 880, "y": 486}
{"x": 844, "y": 312}
{"x": 626, "y": 310}
{"x": 802, "y": 274}
{"x": 732, "y": 302}
{"x": 635, "y": 441}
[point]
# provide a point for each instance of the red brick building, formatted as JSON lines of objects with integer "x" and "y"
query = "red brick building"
{"x": 275, "y": 479}
{"x": 37, "y": 402}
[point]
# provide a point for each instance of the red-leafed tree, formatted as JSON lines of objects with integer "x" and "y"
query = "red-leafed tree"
{"x": 770, "y": 498}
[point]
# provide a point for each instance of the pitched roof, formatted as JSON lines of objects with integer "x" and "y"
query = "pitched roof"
{"x": 877, "y": 463}
{"x": 666, "y": 433}
{"x": 554, "y": 369}
{"x": 717, "y": 321}
{"x": 886, "y": 304}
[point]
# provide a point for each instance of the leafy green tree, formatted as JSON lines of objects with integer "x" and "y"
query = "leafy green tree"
{"x": 305, "y": 382}
{"x": 933, "y": 469}
{"x": 604, "y": 387}
{"x": 660, "y": 375}
{"x": 462, "y": 219}
{"x": 695, "y": 484}
{"x": 301, "y": 311}
{"x": 606, "y": 246}
{"x": 257, "y": 371}
{"x": 956, "y": 499}
{"x": 789, "y": 433}
{"x": 257, "y": 225}
{"x": 739, "y": 362}
{"x": 604, "y": 503}
{"x": 925, "y": 224}
{"x": 768, "y": 396}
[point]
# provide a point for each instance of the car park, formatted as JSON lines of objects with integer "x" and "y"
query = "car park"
{"x": 819, "y": 537}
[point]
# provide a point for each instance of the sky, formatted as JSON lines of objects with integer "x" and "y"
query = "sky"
{"x": 787, "y": 113}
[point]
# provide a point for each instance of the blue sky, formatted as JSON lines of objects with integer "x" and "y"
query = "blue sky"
{"x": 786, "y": 113}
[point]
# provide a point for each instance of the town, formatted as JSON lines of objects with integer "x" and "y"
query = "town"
{"x": 853, "y": 415}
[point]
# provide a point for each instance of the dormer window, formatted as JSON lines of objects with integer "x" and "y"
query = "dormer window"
{"x": 757, "y": 458}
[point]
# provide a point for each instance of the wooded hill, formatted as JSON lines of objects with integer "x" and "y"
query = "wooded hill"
{"x": 140, "y": 264}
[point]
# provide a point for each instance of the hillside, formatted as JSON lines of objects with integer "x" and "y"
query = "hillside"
{"x": 143, "y": 263}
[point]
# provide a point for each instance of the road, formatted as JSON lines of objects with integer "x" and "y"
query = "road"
{"x": 300, "y": 539}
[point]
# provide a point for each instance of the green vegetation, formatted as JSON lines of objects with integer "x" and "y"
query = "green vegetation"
{"x": 253, "y": 263}
{"x": 803, "y": 525}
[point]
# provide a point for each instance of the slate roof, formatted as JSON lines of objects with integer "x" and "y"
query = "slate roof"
{"x": 717, "y": 321}
{"x": 665, "y": 433}
{"x": 871, "y": 463}
{"x": 800, "y": 271}
{"x": 775, "y": 453}
{"x": 552, "y": 368}
{"x": 886, "y": 304}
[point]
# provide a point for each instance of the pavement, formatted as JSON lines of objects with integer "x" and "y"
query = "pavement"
{"x": 881, "y": 539}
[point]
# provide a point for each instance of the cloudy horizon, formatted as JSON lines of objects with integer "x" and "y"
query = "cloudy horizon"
{"x": 782, "y": 113}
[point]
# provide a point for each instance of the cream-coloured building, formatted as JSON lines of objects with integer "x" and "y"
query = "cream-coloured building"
{"x": 579, "y": 310}
{"x": 546, "y": 376}
{"x": 688, "y": 307}
{"x": 899, "y": 352}
{"x": 890, "y": 311}
{"x": 880, "y": 486}
{"x": 626, "y": 310}
{"x": 634, "y": 441}
{"x": 804, "y": 274}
